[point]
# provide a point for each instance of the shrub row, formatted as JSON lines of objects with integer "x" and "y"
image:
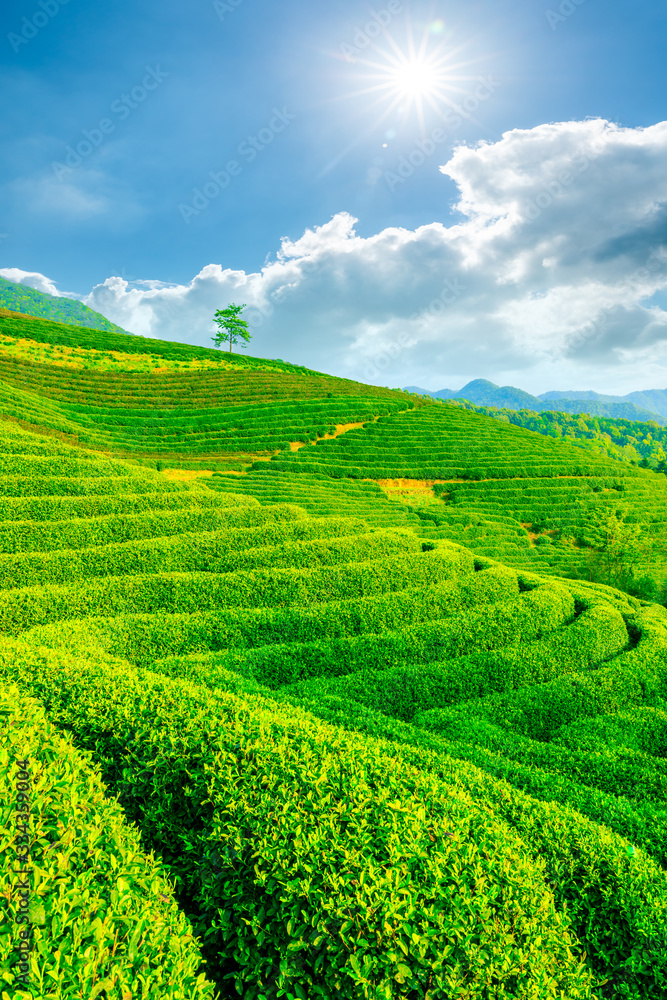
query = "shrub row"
{"x": 289, "y": 544}
{"x": 311, "y": 853}
{"x": 86, "y": 909}
{"x": 634, "y": 677}
{"x": 598, "y": 633}
{"x": 257, "y": 642}
{"x": 250, "y": 608}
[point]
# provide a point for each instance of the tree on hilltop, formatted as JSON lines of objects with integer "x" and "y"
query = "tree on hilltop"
{"x": 230, "y": 327}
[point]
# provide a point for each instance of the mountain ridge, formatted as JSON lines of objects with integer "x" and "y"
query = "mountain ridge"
{"x": 648, "y": 404}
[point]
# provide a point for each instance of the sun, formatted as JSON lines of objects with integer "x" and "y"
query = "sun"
{"x": 409, "y": 79}
{"x": 415, "y": 79}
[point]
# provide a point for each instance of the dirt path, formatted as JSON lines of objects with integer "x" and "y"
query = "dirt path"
{"x": 340, "y": 429}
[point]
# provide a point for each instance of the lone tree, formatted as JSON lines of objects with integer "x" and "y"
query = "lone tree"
{"x": 618, "y": 548}
{"x": 230, "y": 326}
{"x": 624, "y": 557}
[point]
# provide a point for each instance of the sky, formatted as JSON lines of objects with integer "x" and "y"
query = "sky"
{"x": 413, "y": 192}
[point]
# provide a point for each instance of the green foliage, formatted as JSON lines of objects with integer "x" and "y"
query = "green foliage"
{"x": 95, "y": 887}
{"x": 230, "y": 327}
{"x": 213, "y": 418}
{"x": 358, "y": 743}
{"x": 591, "y": 535}
{"x": 425, "y": 443}
{"x": 266, "y": 815}
{"x": 19, "y": 298}
{"x": 641, "y": 442}
{"x": 45, "y": 331}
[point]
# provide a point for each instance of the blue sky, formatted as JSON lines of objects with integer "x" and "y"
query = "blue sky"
{"x": 117, "y": 117}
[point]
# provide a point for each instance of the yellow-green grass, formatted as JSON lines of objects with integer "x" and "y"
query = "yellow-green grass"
{"x": 358, "y": 755}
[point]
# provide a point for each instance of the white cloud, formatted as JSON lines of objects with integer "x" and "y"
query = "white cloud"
{"x": 34, "y": 280}
{"x": 543, "y": 283}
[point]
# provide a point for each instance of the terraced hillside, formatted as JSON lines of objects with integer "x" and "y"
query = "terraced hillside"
{"x": 277, "y": 733}
{"x": 193, "y": 408}
{"x": 214, "y": 413}
{"x": 634, "y": 441}
{"x": 504, "y": 491}
{"x": 333, "y": 758}
{"x": 441, "y": 441}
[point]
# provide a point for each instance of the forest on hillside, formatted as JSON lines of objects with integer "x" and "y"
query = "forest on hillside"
{"x": 23, "y": 299}
{"x": 639, "y": 443}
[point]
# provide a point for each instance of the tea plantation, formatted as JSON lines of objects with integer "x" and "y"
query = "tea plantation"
{"x": 223, "y": 413}
{"x": 509, "y": 493}
{"x": 263, "y": 738}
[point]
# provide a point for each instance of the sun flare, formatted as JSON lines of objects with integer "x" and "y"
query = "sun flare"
{"x": 412, "y": 81}
{"x": 415, "y": 79}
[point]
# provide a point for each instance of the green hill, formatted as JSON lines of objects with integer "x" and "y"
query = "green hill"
{"x": 220, "y": 416}
{"x": 19, "y": 298}
{"x": 634, "y": 441}
{"x": 505, "y": 491}
{"x": 275, "y": 738}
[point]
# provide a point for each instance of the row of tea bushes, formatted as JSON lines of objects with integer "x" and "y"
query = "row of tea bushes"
{"x": 18, "y": 326}
{"x": 170, "y": 428}
{"x": 552, "y": 789}
{"x": 634, "y": 676}
{"x": 76, "y": 523}
{"x": 596, "y": 634}
{"x": 293, "y": 543}
{"x": 243, "y": 407}
{"x": 321, "y": 496}
{"x": 320, "y": 862}
{"x": 277, "y": 608}
{"x": 255, "y": 847}
{"x": 87, "y": 912}
{"x": 426, "y": 443}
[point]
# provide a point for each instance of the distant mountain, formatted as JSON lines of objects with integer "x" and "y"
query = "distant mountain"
{"x": 654, "y": 400}
{"x": 24, "y": 299}
{"x": 581, "y": 394}
{"x": 484, "y": 393}
{"x": 648, "y": 405}
{"x": 439, "y": 394}
{"x": 620, "y": 411}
